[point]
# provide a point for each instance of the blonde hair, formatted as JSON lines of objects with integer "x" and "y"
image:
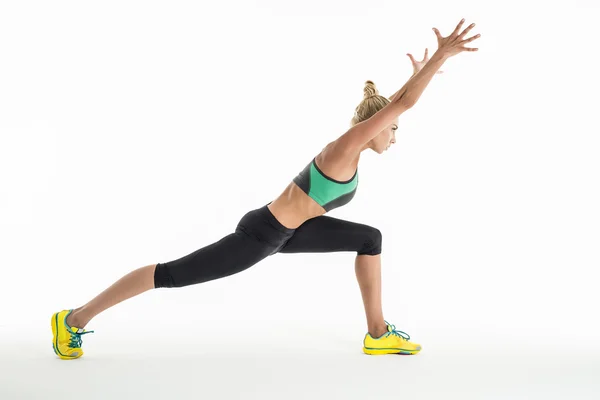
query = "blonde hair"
{"x": 370, "y": 105}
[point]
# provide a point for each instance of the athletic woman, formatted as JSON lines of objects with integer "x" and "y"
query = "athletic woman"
{"x": 294, "y": 222}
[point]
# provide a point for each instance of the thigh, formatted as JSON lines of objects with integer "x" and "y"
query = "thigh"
{"x": 230, "y": 255}
{"x": 325, "y": 234}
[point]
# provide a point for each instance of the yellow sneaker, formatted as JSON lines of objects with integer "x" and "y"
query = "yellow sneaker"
{"x": 66, "y": 340}
{"x": 391, "y": 342}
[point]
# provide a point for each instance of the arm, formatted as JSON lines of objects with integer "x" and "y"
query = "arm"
{"x": 417, "y": 66}
{"x": 415, "y": 86}
{"x": 360, "y": 134}
{"x": 396, "y": 94}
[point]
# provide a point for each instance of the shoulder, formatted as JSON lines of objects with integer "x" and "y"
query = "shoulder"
{"x": 337, "y": 157}
{"x": 339, "y": 151}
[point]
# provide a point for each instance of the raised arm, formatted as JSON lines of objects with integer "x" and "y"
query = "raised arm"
{"x": 417, "y": 66}
{"x": 360, "y": 134}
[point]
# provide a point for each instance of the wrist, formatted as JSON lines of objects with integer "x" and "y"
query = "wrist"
{"x": 438, "y": 56}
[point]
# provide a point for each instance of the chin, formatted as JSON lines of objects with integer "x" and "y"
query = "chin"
{"x": 378, "y": 150}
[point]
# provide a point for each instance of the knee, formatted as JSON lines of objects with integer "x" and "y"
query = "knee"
{"x": 372, "y": 243}
{"x": 162, "y": 277}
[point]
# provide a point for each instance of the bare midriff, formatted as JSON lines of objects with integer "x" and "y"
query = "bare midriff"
{"x": 293, "y": 206}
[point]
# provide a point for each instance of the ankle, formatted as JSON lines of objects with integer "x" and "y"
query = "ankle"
{"x": 378, "y": 331}
{"x": 76, "y": 319}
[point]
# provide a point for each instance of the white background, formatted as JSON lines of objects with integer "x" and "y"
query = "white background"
{"x": 135, "y": 132}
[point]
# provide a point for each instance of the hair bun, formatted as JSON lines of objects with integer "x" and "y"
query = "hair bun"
{"x": 370, "y": 89}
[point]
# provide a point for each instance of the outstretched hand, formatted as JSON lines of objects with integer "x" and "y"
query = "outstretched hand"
{"x": 418, "y": 65}
{"x": 451, "y": 45}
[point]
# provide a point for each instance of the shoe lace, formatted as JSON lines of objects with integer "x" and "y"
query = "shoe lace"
{"x": 392, "y": 331}
{"x": 75, "y": 339}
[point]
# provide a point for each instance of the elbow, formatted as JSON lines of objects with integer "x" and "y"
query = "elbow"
{"x": 404, "y": 102}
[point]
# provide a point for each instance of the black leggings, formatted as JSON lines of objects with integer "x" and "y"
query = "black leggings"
{"x": 259, "y": 235}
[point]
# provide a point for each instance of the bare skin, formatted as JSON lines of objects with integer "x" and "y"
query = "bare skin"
{"x": 292, "y": 208}
{"x": 339, "y": 160}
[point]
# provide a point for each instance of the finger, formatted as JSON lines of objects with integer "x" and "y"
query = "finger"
{"x": 469, "y": 48}
{"x": 462, "y": 21}
{"x": 426, "y": 54}
{"x": 412, "y": 59}
{"x": 466, "y": 31}
{"x": 470, "y": 39}
{"x": 437, "y": 33}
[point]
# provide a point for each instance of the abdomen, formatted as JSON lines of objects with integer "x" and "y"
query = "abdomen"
{"x": 293, "y": 207}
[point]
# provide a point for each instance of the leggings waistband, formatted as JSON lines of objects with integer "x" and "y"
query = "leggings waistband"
{"x": 274, "y": 221}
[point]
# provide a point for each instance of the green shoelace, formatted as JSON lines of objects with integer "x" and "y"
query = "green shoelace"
{"x": 75, "y": 340}
{"x": 392, "y": 331}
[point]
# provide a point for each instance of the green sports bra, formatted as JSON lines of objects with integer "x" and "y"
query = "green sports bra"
{"x": 327, "y": 192}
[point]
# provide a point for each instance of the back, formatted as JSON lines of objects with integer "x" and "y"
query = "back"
{"x": 328, "y": 192}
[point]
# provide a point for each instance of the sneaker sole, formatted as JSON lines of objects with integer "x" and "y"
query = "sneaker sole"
{"x": 379, "y": 352}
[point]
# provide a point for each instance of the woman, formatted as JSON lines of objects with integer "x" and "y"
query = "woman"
{"x": 294, "y": 222}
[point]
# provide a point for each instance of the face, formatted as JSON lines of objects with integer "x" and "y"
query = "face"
{"x": 385, "y": 139}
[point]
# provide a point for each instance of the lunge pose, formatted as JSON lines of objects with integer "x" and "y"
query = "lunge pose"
{"x": 295, "y": 222}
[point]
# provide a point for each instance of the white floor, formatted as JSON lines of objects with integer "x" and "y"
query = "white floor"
{"x": 292, "y": 364}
